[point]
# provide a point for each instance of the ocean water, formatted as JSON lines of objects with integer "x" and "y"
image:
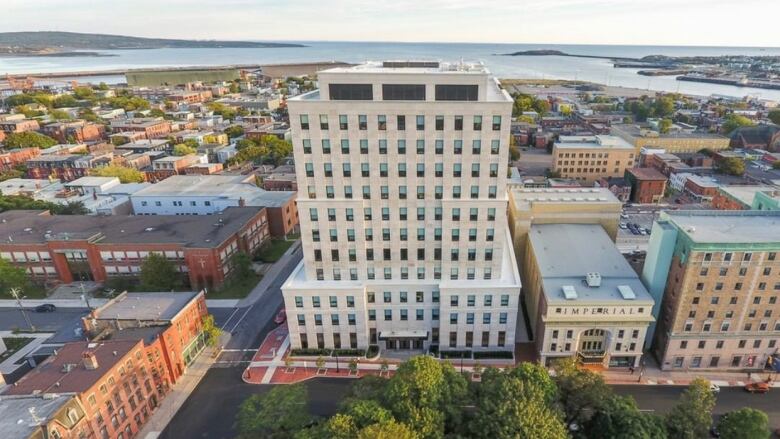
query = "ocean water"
{"x": 544, "y": 67}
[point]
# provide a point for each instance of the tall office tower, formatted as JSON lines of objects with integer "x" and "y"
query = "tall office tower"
{"x": 401, "y": 171}
{"x": 719, "y": 277}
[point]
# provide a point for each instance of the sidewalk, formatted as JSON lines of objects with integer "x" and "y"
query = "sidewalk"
{"x": 178, "y": 395}
{"x": 269, "y": 277}
{"x": 268, "y": 367}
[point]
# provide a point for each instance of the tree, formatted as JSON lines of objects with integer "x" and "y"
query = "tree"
{"x": 525, "y": 118}
{"x": 12, "y": 276}
{"x": 129, "y": 103}
{"x": 124, "y": 174}
{"x": 84, "y": 93}
{"x": 692, "y": 416}
{"x": 537, "y": 374}
{"x": 774, "y": 116}
{"x": 156, "y": 112}
{"x": 181, "y": 149}
{"x": 663, "y": 106}
{"x": 60, "y": 115}
{"x": 234, "y": 131}
{"x": 211, "y": 330}
{"x": 353, "y": 365}
{"x": 159, "y": 274}
{"x": 28, "y": 139}
{"x": 65, "y": 101}
{"x": 665, "y": 125}
{"x": 731, "y": 166}
{"x": 734, "y": 121}
{"x": 414, "y": 393}
{"x": 278, "y": 414}
{"x": 745, "y": 423}
{"x": 581, "y": 391}
{"x": 514, "y": 153}
{"x": 15, "y": 173}
{"x": 242, "y": 266}
{"x": 619, "y": 418}
{"x": 387, "y": 430}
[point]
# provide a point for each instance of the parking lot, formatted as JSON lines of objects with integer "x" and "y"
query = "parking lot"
{"x": 635, "y": 226}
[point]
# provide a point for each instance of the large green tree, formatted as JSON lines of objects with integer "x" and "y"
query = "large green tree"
{"x": 123, "y": 173}
{"x": 734, "y": 121}
{"x": 731, "y": 166}
{"x": 29, "y": 139}
{"x": 159, "y": 274}
{"x": 745, "y": 423}
{"x": 12, "y": 276}
{"x": 277, "y": 414}
{"x": 774, "y": 116}
{"x": 581, "y": 391}
{"x": 692, "y": 416}
{"x": 182, "y": 149}
{"x": 508, "y": 406}
{"x": 619, "y": 418}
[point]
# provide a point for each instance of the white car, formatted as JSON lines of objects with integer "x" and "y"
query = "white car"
{"x": 714, "y": 388}
{"x": 623, "y": 226}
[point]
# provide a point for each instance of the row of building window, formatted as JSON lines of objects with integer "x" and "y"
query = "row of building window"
{"x": 403, "y": 315}
{"x": 176, "y": 203}
{"x": 403, "y": 297}
{"x": 346, "y": 170}
{"x": 714, "y": 361}
{"x": 702, "y": 344}
{"x": 400, "y": 122}
{"x": 595, "y": 155}
{"x": 401, "y": 146}
{"x": 621, "y": 333}
{"x": 391, "y": 344}
{"x": 471, "y": 254}
{"x": 455, "y": 273}
{"x": 566, "y": 347}
{"x": 403, "y": 214}
{"x": 714, "y": 300}
{"x": 725, "y": 326}
{"x": 403, "y": 192}
{"x": 729, "y": 256}
{"x": 387, "y": 235}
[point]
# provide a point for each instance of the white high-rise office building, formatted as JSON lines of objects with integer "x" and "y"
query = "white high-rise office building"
{"x": 402, "y": 170}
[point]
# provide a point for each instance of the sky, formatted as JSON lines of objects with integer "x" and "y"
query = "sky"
{"x": 638, "y": 22}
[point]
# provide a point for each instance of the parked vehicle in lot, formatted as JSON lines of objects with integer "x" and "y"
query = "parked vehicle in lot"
{"x": 623, "y": 226}
{"x": 760, "y": 387}
{"x": 46, "y": 307}
{"x": 714, "y": 388}
{"x": 281, "y": 316}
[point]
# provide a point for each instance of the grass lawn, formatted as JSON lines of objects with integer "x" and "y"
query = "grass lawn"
{"x": 274, "y": 250}
{"x": 234, "y": 289}
{"x": 14, "y": 344}
{"x": 30, "y": 292}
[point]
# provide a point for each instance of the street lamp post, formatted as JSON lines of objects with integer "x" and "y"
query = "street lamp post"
{"x": 337, "y": 363}
{"x": 15, "y": 293}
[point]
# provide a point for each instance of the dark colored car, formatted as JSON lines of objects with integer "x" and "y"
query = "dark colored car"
{"x": 46, "y": 307}
{"x": 281, "y": 316}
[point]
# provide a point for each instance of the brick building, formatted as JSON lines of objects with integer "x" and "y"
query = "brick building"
{"x": 718, "y": 275}
{"x": 118, "y": 383}
{"x": 647, "y": 185}
{"x": 588, "y": 158}
{"x": 19, "y": 126}
{"x": 44, "y": 416}
{"x": 10, "y": 159}
{"x": 170, "y": 322}
{"x": 701, "y": 188}
{"x": 66, "y": 167}
{"x": 165, "y": 167}
{"x": 78, "y": 131}
{"x": 73, "y": 247}
{"x": 151, "y": 127}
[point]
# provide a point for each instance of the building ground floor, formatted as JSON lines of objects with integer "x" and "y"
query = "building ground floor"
{"x": 722, "y": 352}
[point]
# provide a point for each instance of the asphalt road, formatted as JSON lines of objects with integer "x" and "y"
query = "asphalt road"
{"x": 211, "y": 410}
{"x": 248, "y": 325}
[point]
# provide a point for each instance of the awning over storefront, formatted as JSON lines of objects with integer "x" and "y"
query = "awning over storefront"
{"x": 385, "y": 335}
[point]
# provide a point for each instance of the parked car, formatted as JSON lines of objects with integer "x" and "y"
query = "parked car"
{"x": 281, "y": 316}
{"x": 623, "y": 226}
{"x": 759, "y": 387}
{"x": 46, "y": 307}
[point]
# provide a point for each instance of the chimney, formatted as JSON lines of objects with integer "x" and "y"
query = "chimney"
{"x": 90, "y": 360}
{"x": 241, "y": 202}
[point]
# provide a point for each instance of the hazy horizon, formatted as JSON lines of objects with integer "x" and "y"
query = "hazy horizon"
{"x": 709, "y": 23}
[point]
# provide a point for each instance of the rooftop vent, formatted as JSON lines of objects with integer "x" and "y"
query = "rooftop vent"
{"x": 593, "y": 280}
{"x": 569, "y": 292}
{"x": 626, "y": 292}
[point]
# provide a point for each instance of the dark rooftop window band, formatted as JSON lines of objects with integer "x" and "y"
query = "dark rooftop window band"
{"x": 403, "y": 92}
{"x": 457, "y": 92}
{"x": 351, "y": 92}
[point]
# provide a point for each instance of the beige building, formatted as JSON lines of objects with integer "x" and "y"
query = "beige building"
{"x": 583, "y": 299}
{"x": 719, "y": 275}
{"x": 401, "y": 171}
{"x": 672, "y": 143}
{"x": 529, "y": 206}
{"x": 590, "y": 158}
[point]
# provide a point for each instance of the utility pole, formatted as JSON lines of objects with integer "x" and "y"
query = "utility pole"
{"x": 15, "y": 293}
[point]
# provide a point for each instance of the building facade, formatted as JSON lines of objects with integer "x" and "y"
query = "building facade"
{"x": 583, "y": 298}
{"x": 648, "y": 186}
{"x": 402, "y": 200}
{"x": 719, "y": 277}
{"x": 70, "y": 248}
{"x": 589, "y": 158}
{"x": 673, "y": 142}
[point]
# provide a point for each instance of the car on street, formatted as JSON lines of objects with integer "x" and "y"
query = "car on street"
{"x": 281, "y": 316}
{"x": 623, "y": 216}
{"x": 759, "y": 387}
{"x": 714, "y": 388}
{"x": 46, "y": 307}
{"x": 623, "y": 226}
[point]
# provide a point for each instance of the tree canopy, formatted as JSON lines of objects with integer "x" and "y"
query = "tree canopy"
{"x": 734, "y": 121}
{"x": 745, "y": 423}
{"x": 774, "y": 116}
{"x": 123, "y": 173}
{"x": 269, "y": 149}
{"x": 278, "y": 414}
{"x": 692, "y": 416}
{"x": 11, "y": 276}
{"x": 159, "y": 274}
{"x": 731, "y": 166}
{"x": 21, "y": 202}
{"x": 28, "y": 139}
{"x": 182, "y": 149}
